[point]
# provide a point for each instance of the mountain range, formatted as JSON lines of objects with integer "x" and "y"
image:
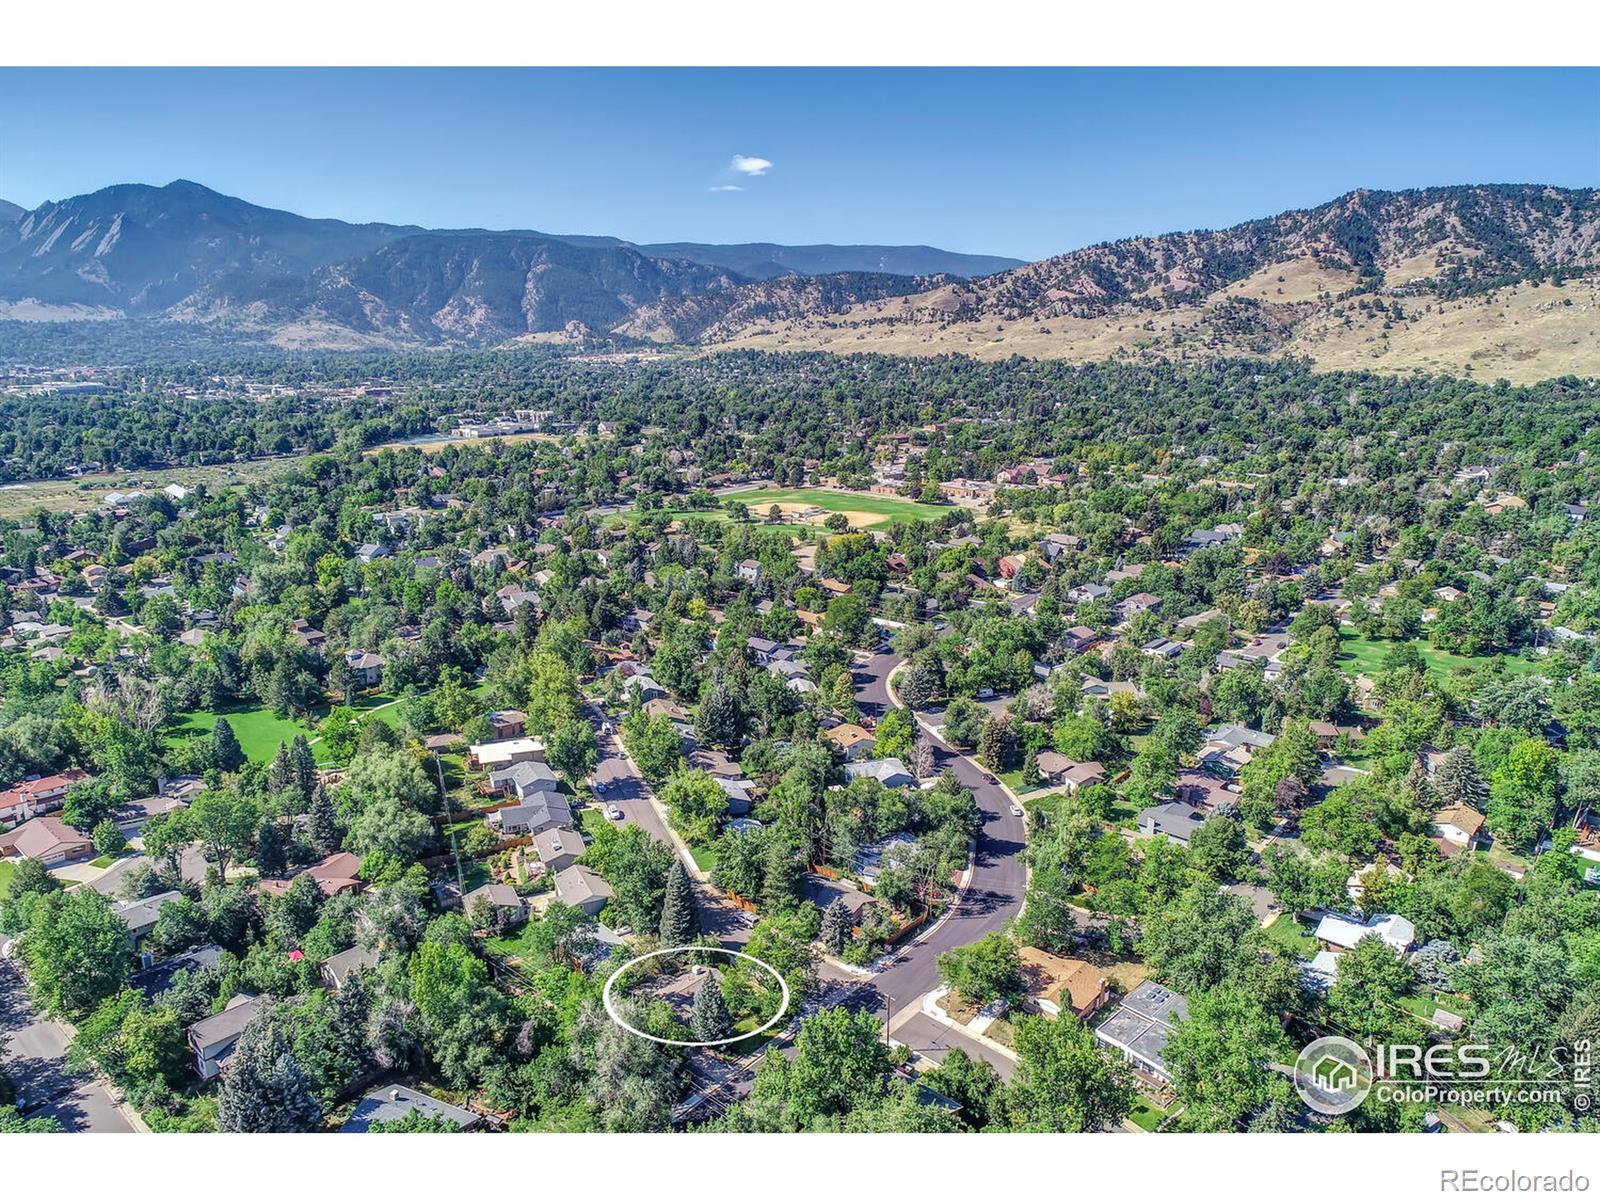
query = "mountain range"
{"x": 188, "y": 253}
{"x": 1498, "y": 279}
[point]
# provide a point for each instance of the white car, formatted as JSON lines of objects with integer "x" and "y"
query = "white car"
{"x": 1016, "y": 810}
{"x": 613, "y": 812}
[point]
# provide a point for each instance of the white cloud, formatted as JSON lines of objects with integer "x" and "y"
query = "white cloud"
{"x": 746, "y": 164}
{"x": 725, "y": 187}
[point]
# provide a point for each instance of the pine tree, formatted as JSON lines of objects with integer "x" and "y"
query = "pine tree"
{"x": 264, "y": 1089}
{"x": 680, "y": 919}
{"x": 993, "y": 743}
{"x": 304, "y": 764}
{"x": 835, "y": 931}
{"x": 270, "y": 855}
{"x": 226, "y": 753}
{"x": 280, "y": 775}
{"x": 718, "y": 720}
{"x": 1030, "y": 769}
{"x": 325, "y": 835}
{"x": 1457, "y": 780}
{"x": 710, "y": 1020}
{"x": 780, "y": 883}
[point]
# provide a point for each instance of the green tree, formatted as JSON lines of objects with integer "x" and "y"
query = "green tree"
{"x": 76, "y": 949}
{"x": 835, "y": 933}
{"x": 570, "y": 750}
{"x": 264, "y": 1089}
{"x": 680, "y": 916}
{"x": 226, "y": 753}
{"x": 108, "y": 838}
{"x": 840, "y": 1060}
{"x": 1066, "y": 1081}
{"x": 696, "y": 804}
{"x": 988, "y": 969}
{"x": 1522, "y": 798}
{"x": 709, "y": 1019}
{"x": 1221, "y": 1056}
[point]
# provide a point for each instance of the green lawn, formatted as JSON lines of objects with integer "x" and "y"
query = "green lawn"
{"x": 1146, "y": 1115}
{"x": 1364, "y": 656}
{"x": 104, "y": 861}
{"x": 260, "y": 730}
{"x": 1296, "y": 939}
{"x": 705, "y": 857}
{"x": 7, "y": 870}
{"x": 886, "y": 509}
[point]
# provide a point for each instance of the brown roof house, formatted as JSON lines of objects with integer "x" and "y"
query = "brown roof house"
{"x": 47, "y": 840}
{"x": 1055, "y": 983}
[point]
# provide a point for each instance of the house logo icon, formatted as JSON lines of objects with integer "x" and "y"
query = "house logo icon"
{"x": 1333, "y": 1075}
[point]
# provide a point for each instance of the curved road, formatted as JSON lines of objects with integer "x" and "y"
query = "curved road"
{"x": 999, "y": 879}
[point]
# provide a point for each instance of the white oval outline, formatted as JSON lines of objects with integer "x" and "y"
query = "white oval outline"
{"x": 607, "y": 1000}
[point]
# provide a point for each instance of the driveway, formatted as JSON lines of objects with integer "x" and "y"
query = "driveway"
{"x": 36, "y": 1060}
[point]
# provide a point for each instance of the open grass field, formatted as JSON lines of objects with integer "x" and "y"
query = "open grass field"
{"x": 88, "y": 494}
{"x": 864, "y": 511}
{"x": 260, "y": 730}
{"x": 1364, "y": 656}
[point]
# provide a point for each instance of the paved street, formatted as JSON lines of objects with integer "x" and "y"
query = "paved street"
{"x": 36, "y": 1060}
{"x": 999, "y": 879}
{"x": 933, "y": 1039}
{"x": 631, "y": 794}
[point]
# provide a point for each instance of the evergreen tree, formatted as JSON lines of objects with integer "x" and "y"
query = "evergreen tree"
{"x": 271, "y": 858}
{"x": 325, "y": 834}
{"x": 835, "y": 931}
{"x": 280, "y": 775}
{"x": 710, "y": 1021}
{"x": 718, "y": 720}
{"x": 680, "y": 919}
{"x": 1030, "y": 769}
{"x": 226, "y": 753}
{"x": 994, "y": 743}
{"x": 304, "y": 765}
{"x": 1457, "y": 780}
{"x": 781, "y": 872}
{"x": 264, "y": 1089}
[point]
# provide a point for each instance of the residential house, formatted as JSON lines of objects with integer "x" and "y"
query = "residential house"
{"x": 396, "y": 1103}
{"x": 1055, "y": 984}
{"x": 850, "y": 740}
{"x": 579, "y": 887}
{"x": 337, "y": 968}
{"x": 212, "y": 1039}
{"x": 494, "y": 906}
{"x": 1059, "y": 769}
{"x": 749, "y": 570}
{"x": 1079, "y": 638}
{"x": 49, "y": 841}
{"x": 890, "y": 772}
{"x": 1175, "y": 820}
{"x": 1141, "y": 1025}
{"x": 1459, "y": 824}
{"x": 507, "y": 723}
{"x": 41, "y": 794}
{"x": 496, "y": 756}
{"x": 540, "y": 812}
{"x": 366, "y": 668}
{"x": 1088, "y": 593}
{"x": 1344, "y": 932}
{"x": 872, "y": 859}
{"x": 153, "y": 980}
{"x": 335, "y": 874}
{"x": 558, "y": 848}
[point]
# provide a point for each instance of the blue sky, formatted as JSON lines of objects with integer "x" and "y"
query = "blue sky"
{"x": 1020, "y": 162}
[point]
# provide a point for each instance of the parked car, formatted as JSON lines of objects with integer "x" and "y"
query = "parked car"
{"x": 613, "y": 812}
{"x": 1016, "y": 810}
